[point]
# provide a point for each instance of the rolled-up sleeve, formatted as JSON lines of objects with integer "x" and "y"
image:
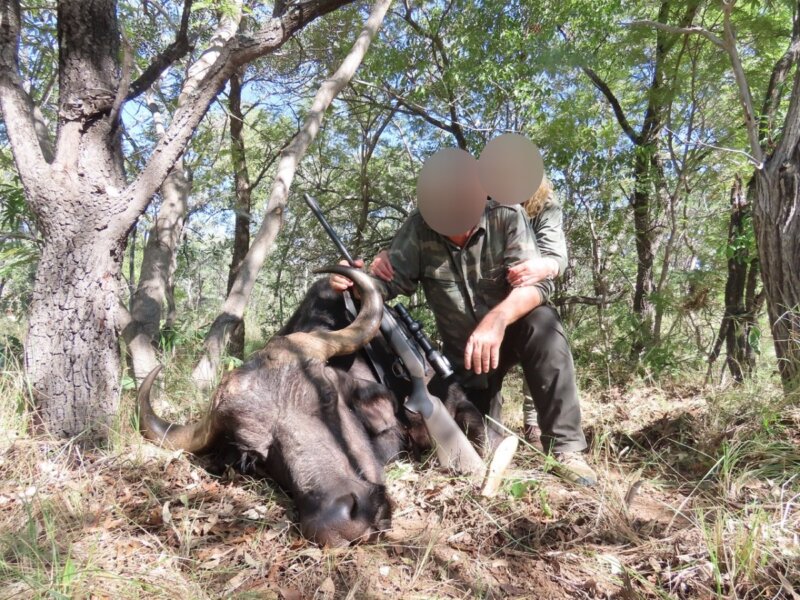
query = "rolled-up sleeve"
{"x": 546, "y": 289}
{"x": 521, "y": 244}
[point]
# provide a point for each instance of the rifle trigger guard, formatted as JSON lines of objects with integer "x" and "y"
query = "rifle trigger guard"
{"x": 399, "y": 370}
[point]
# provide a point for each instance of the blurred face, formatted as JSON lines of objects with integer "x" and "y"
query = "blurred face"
{"x": 449, "y": 193}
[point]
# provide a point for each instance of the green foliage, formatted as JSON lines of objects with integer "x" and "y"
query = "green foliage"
{"x": 14, "y": 208}
{"x": 494, "y": 67}
{"x": 14, "y": 259}
{"x": 19, "y": 250}
{"x": 35, "y": 555}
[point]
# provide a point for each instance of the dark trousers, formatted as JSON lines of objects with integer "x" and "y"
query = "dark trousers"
{"x": 538, "y": 343}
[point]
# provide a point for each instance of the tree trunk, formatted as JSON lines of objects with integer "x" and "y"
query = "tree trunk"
{"x": 753, "y": 303}
{"x": 236, "y": 302}
{"x": 777, "y": 225}
{"x": 241, "y": 177}
{"x": 158, "y": 265}
{"x": 71, "y": 352}
{"x": 644, "y": 234}
{"x": 776, "y": 196}
{"x": 741, "y": 300}
{"x": 741, "y": 304}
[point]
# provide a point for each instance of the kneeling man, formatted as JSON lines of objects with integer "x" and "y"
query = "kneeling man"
{"x": 486, "y": 325}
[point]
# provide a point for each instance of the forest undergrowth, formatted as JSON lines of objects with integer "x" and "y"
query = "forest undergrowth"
{"x": 698, "y": 498}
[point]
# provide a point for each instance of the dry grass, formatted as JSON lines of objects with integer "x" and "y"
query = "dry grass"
{"x": 698, "y": 499}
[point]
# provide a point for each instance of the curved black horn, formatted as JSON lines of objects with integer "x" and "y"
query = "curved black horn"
{"x": 326, "y": 344}
{"x": 193, "y": 437}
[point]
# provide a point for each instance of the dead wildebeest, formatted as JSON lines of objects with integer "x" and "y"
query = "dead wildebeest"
{"x": 380, "y": 404}
{"x": 323, "y": 433}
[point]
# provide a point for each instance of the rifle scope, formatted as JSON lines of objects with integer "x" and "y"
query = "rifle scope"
{"x": 438, "y": 361}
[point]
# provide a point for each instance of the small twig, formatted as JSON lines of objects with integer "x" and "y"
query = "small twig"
{"x": 415, "y": 109}
{"x": 750, "y": 157}
{"x": 631, "y": 495}
{"x": 715, "y": 39}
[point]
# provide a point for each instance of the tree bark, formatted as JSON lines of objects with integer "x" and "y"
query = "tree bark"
{"x": 776, "y": 212}
{"x": 741, "y": 304}
{"x": 71, "y": 333}
{"x": 644, "y": 233}
{"x": 777, "y": 225}
{"x": 236, "y": 302}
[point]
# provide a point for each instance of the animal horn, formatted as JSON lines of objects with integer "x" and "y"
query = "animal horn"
{"x": 326, "y": 344}
{"x": 193, "y": 437}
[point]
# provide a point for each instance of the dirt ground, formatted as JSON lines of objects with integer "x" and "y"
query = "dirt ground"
{"x": 665, "y": 521}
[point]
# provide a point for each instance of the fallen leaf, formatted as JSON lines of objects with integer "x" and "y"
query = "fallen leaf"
{"x": 208, "y": 525}
{"x": 327, "y": 588}
{"x": 214, "y": 556}
{"x": 166, "y": 516}
{"x": 500, "y": 563}
{"x": 248, "y": 558}
{"x": 291, "y": 594}
{"x": 236, "y": 581}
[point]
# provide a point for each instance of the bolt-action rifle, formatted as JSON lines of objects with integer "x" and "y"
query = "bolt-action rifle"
{"x": 408, "y": 341}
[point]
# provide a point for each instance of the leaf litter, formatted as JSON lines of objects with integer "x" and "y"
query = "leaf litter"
{"x": 142, "y": 522}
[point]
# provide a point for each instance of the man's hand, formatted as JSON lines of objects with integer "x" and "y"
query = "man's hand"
{"x": 482, "y": 353}
{"x": 532, "y": 271}
{"x": 340, "y": 283}
{"x": 382, "y": 267}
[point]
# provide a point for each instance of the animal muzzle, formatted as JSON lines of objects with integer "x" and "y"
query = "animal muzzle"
{"x": 354, "y": 517}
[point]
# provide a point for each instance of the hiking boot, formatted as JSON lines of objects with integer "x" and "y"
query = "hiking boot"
{"x": 533, "y": 435}
{"x": 573, "y": 467}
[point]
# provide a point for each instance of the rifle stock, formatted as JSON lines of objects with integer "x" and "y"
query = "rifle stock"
{"x": 453, "y": 449}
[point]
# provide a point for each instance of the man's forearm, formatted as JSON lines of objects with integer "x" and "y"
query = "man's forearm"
{"x": 517, "y": 304}
{"x": 482, "y": 352}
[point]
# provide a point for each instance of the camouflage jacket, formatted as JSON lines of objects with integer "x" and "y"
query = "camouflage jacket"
{"x": 549, "y": 232}
{"x": 461, "y": 285}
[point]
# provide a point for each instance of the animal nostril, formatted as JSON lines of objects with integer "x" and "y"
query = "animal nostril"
{"x": 346, "y": 507}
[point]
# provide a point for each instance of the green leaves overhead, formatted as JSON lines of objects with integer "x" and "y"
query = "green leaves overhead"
{"x": 460, "y": 72}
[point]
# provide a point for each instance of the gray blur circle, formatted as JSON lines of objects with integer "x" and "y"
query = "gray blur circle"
{"x": 511, "y": 168}
{"x": 449, "y": 194}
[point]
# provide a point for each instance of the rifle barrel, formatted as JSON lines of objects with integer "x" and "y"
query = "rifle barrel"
{"x": 312, "y": 204}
